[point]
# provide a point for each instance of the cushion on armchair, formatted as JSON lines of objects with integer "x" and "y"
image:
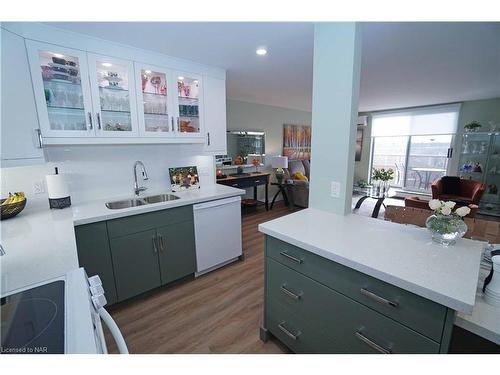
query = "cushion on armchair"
{"x": 299, "y": 176}
{"x": 450, "y": 185}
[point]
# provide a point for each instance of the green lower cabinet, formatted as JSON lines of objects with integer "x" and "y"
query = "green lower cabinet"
{"x": 94, "y": 256}
{"x": 135, "y": 254}
{"x": 178, "y": 252}
{"x": 135, "y": 261}
{"x": 351, "y": 326}
{"x": 313, "y": 305}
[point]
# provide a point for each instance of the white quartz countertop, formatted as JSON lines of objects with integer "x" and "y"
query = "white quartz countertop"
{"x": 398, "y": 254}
{"x": 40, "y": 243}
{"x": 93, "y": 211}
{"x": 485, "y": 318}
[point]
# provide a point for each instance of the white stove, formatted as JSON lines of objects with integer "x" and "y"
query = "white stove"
{"x": 61, "y": 315}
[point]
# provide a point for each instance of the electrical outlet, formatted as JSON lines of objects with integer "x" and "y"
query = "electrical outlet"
{"x": 335, "y": 189}
{"x": 38, "y": 187}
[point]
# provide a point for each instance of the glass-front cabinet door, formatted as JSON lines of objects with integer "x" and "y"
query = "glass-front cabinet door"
{"x": 154, "y": 101}
{"x": 189, "y": 105}
{"x": 62, "y": 90}
{"x": 113, "y": 93}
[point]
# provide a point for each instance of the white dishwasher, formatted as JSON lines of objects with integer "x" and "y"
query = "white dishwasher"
{"x": 217, "y": 228}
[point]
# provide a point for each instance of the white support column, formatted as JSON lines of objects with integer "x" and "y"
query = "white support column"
{"x": 337, "y": 66}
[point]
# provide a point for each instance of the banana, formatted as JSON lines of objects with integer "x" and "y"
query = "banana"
{"x": 14, "y": 198}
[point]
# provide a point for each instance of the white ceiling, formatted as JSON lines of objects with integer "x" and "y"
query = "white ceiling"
{"x": 403, "y": 64}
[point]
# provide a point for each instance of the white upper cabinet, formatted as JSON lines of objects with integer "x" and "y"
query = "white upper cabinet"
{"x": 188, "y": 105}
{"x": 113, "y": 96}
{"x": 62, "y": 90}
{"x": 155, "y": 93}
{"x": 20, "y": 144}
{"x": 215, "y": 115}
{"x": 85, "y": 96}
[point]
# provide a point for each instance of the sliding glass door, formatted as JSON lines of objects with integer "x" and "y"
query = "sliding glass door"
{"x": 427, "y": 160}
{"x": 390, "y": 153}
{"x": 416, "y": 144}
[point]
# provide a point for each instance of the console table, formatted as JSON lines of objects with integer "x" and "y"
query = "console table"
{"x": 248, "y": 180}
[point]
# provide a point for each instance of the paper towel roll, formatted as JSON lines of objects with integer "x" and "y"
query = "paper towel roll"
{"x": 57, "y": 186}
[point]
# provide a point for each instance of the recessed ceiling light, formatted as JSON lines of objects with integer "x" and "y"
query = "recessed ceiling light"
{"x": 147, "y": 71}
{"x": 180, "y": 78}
{"x": 261, "y": 51}
{"x": 58, "y": 55}
{"x": 106, "y": 64}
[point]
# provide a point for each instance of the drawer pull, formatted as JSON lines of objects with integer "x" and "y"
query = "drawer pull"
{"x": 286, "y": 255}
{"x": 155, "y": 247}
{"x": 377, "y": 298}
{"x": 289, "y": 293}
{"x": 372, "y": 344}
{"x": 234, "y": 185}
{"x": 287, "y": 332}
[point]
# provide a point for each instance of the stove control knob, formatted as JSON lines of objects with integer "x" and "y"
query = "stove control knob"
{"x": 95, "y": 280}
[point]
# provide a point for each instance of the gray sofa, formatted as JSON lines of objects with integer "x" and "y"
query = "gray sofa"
{"x": 297, "y": 190}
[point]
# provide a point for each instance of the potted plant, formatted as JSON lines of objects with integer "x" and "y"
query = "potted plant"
{"x": 472, "y": 126}
{"x": 446, "y": 225}
{"x": 383, "y": 176}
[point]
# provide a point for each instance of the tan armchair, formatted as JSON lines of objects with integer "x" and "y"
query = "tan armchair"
{"x": 297, "y": 190}
{"x": 459, "y": 190}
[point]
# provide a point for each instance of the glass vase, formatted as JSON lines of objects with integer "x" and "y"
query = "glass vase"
{"x": 445, "y": 229}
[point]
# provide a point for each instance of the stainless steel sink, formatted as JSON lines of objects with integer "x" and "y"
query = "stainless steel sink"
{"x": 160, "y": 198}
{"x": 127, "y": 203}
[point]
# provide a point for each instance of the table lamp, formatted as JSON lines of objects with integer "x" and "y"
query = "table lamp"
{"x": 279, "y": 162}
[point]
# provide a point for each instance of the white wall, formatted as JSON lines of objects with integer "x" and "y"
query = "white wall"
{"x": 95, "y": 172}
{"x": 270, "y": 119}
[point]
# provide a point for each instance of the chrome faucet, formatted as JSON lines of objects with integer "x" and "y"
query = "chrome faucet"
{"x": 138, "y": 189}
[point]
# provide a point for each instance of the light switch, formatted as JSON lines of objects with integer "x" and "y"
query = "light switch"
{"x": 335, "y": 189}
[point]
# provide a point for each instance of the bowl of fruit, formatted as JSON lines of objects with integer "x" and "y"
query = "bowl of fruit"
{"x": 11, "y": 206}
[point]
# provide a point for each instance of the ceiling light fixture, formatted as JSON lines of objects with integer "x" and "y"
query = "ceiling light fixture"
{"x": 106, "y": 64}
{"x": 261, "y": 51}
{"x": 58, "y": 55}
{"x": 180, "y": 78}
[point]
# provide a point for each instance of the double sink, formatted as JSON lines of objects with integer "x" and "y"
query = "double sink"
{"x": 142, "y": 201}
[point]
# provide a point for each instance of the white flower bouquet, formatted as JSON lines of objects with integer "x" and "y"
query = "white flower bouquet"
{"x": 446, "y": 225}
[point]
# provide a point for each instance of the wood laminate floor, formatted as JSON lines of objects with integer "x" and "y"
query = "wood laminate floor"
{"x": 219, "y": 312}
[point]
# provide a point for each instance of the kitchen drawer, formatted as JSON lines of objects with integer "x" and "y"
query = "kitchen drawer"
{"x": 418, "y": 313}
{"x": 296, "y": 335}
{"x": 350, "y": 326}
{"x": 138, "y": 223}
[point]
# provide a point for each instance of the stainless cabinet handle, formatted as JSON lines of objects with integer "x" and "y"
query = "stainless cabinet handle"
{"x": 208, "y": 138}
{"x": 234, "y": 185}
{"x": 256, "y": 181}
{"x": 286, "y": 255}
{"x": 162, "y": 244}
{"x": 178, "y": 127}
{"x": 91, "y": 126}
{"x": 39, "y": 136}
{"x": 289, "y": 293}
{"x": 377, "y": 298}
{"x": 372, "y": 344}
{"x": 98, "y": 120}
{"x": 155, "y": 248}
{"x": 287, "y": 332}
{"x": 173, "y": 123}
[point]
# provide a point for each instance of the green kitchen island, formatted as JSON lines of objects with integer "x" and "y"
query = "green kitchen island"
{"x": 352, "y": 284}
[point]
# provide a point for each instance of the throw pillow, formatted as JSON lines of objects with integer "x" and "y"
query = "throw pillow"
{"x": 299, "y": 176}
{"x": 451, "y": 185}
